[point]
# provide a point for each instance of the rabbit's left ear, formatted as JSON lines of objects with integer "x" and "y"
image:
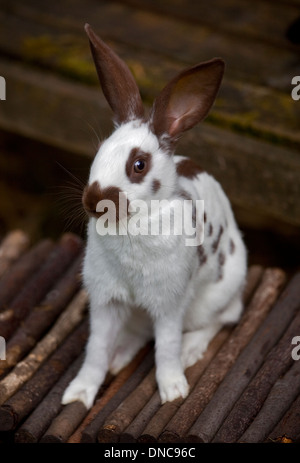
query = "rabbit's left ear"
{"x": 187, "y": 99}
{"x": 117, "y": 82}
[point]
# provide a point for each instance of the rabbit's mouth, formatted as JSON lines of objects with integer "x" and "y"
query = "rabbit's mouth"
{"x": 110, "y": 201}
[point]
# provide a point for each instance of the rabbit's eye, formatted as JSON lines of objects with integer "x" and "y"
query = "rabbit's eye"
{"x": 139, "y": 166}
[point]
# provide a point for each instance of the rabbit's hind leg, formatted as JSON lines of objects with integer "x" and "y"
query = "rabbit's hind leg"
{"x": 134, "y": 335}
{"x": 194, "y": 344}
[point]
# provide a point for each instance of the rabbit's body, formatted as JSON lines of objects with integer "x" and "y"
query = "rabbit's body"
{"x": 148, "y": 285}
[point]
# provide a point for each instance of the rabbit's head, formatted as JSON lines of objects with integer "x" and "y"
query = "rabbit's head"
{"x": 137, "y": 158}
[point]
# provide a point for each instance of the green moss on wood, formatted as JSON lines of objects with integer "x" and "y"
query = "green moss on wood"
{"x": 61, "y": 54}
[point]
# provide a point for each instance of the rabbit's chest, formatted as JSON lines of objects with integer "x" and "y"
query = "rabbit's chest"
{"x": 148, "y": 274}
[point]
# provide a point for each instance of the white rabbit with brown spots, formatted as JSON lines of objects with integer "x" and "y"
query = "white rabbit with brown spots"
{"x": 152, "y": 285}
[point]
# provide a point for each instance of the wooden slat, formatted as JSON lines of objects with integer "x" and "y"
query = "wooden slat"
{"x": 21, "y": 404}
{"x": 248, "y": 363}
{"x": 27, "y": 367}
{"x": 248, "y": 99}
{"x": 165, "y": 35}
{"x": 253, "y": 317}
{"x": 21, "y": 272}
{"x": 254, "y": 99}
{"x": 265, "y": 20}
{"x": 128, "y": 408}
{"x": 12, "y": 247}
{"x": 42, "y": 317}
{"x": 40, "y": 283}
{"x": 268, "y": 187}
{"x": 279, "y": 400}
{"x": 90, "y": 432}
{"x": 288, "y": 428}
{"x": 41, "y": 418}
{"x": 276, "y": 364}
{"x": 105, "y": 397}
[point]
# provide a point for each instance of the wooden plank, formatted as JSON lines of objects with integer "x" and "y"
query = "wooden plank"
{"x": 13, "y": 246}
{"x": 22, "y": 270}
{"x": 267, "y": 186}
{"x": 21, "y": 404}
{"x": 40, "y": 283}
{"x": 90, "y": 432}
{"x": 27, "y": 367}
{"x": 160, "y": 415}
{"x": 155, "y": 418}
{"x": 43, "y": 316}
{"x": 185, "y": 42}
{"x": 265, "y": 20}
{"x": 248, "y": 363}
{"x": 257, "y": 175}
{"x": 55, "y": 40}
{"x": 114, "y": 387}
{"x": 247, "y": 102}
{"x": 252, "y": 318}
{"x": 281, "y": 397}
{"x": 74, "y": 104}
{"x": 276, "y": 364}
{"x": 41, "y": 418}
{"x": 288, "y": 428}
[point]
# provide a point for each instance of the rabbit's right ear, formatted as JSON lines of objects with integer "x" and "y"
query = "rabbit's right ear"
{"x": 117, "y": 82}
{"x": 187, "y": 99}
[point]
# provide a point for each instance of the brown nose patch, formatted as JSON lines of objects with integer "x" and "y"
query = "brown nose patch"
{"x": 93, "y": 193}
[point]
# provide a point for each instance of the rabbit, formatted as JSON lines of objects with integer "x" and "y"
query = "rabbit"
{"x": 143, "y": 286}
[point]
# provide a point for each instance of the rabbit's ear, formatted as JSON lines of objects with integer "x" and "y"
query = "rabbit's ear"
{"x": 117, "y": 82}
{"x": 187, "y": 98}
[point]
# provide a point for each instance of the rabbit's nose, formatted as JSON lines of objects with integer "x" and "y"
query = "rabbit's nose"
{"x": 97, "y": 201}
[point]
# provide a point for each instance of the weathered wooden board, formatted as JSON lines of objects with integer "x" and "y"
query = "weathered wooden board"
{"x": 251, "y": 137}
{"x": 256, "y": 102}
{"x": 254, "y": 173}
{"x": 267, "y": 21}
{"x": 246, "y": 369}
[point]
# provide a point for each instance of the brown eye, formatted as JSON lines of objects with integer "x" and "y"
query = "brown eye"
{"x": 139, "y": 166}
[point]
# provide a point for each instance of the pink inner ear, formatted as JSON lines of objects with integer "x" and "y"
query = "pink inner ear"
{"x": 187, "y": 99}
{"x": 183, "y": 113}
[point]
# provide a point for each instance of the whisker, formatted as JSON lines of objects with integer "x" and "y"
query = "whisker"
{"x": 68, "y": 198}
{"x": 96, "y": 147}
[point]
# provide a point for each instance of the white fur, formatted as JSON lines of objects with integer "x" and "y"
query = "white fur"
{"x": 145, "y": 286}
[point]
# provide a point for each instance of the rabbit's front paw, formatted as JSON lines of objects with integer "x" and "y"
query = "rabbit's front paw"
{"x": 172, "y": 387}
{"x": 82, "y": 390}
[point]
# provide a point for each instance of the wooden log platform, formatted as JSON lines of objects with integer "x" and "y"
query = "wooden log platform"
{"x": 246, "y": 388}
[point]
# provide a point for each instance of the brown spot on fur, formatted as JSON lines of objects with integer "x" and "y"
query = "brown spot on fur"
{"x": 231, "y": 246}
{"x": 92, "y": 194}
{"x": 185, "y": 195}
{"x": 210, "y": 229}
{"x": 188, "y": 168}
{"x": 221, "y": 261}
{"x": 201, "y": 255}
{"x": 221, "y": 258}
{"x": 90, "y": 198}
{"x": 217, "y": 241}
{"x": 135, "y": 155}
{"x": 156, "y": 185}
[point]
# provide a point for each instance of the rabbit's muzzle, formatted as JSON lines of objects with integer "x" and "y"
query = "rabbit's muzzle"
{"x": 98, "y": 201}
